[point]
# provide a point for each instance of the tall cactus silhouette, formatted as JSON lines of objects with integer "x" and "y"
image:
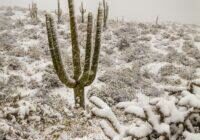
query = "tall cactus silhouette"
{"x": 33, "y": 11}
{"x": 81, "y": 78}
{"x": 105, "y": 13}
{"x": 83, "y": 11}
{"x": 59, "y": 12}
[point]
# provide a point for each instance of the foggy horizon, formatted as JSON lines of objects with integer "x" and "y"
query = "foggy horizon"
{"x": 181, "y": 11}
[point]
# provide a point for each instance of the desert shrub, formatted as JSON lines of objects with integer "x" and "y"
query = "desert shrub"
{"x": 197, "y": 38}
{"x": 50, "y": 79}
{"x": 187, "y": 73}
{"x": 7, "y": 41}
{"x": 18, "y": 52}
{"x": 170, "y": 80}
{"x": 138, "y": 52}
{"x": 106, "y": 61}
{"x": 112, "y": 95}
{"x": 35, "y": 53}
{"x": 33, "y": 84}
{"x": 19, "y": 23}
{"x": 123, "y": 44}
{"x": 15, "y": 81}
{"x": 191, "y": 50}
{"x": 168, "y": 70}
{"x": 9, "y": 12}
{"x": 187, "y": 37}
{"x": 180, "y": 58}
{"x": 166, "y": 35}
{"x": 145, "y": 38}
{"x": 15, "y": 64}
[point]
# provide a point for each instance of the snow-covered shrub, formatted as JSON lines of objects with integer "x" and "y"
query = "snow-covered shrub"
{"x": 171, "y": 80}
{"x": 145, "y": 38}
{"x": 33, "y": 84}
{"x": 127, "y": 30}
{"x": 191, "y": 49}
{"x": 35, "y": 53}
{"x": 15, "y": 81}
{"x": 9, "y": 12}
{"x": 15, "y": 64}
{"x": 123, "y": 44}
{"x": 174, "y": 37}
{"x": 7, "y": 41}
{"x": 111, "y": 94}
{"x": 197, "y": 38}
{"x": 180, "y": 58}
{"x": 166, "y": 35}
{"x": 18, "y": 52}
{"x": 19, "y": 23}
{"x": 20, "y": 110}
{"x": 2, "y": 62}
{"x": 106, "y": 61}
{"x": 187, "y": 37}
{"x": 137, "y": 52}
{"x": 50, "y": 79}
{"x": 107, "y": 36}
{"x": 187, "y": 73}
{"x": 181, "y": 32}
{"x": 158, "y": 70}
{"x": 173, "y": 117}
{"x": 168, "y": 69}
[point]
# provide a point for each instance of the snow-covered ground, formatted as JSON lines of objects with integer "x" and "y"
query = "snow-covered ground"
{"x": 142, "y": 67}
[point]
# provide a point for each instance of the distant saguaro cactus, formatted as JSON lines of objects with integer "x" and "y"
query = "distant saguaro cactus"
{"x": 84, "y": 78}
{"x": 105, "y": 13}
{"x": 59, "y": 12}
{"x": 157, "y": 18}
{"x": 82, "y": 10}
{"x": 33, "y": 11}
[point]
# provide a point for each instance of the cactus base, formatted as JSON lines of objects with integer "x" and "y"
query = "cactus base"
{"x": 79, "y": 96}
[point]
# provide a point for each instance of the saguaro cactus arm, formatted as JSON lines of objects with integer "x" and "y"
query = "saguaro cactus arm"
{"x": 55, "y": 53}
{"x": 74, "y": 39}
{"x": 87, "y": 64}
{"x": 95, "y": 57}
{"x": 106, "y": 11}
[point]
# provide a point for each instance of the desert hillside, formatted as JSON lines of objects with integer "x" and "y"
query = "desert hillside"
{"x": 143, "y": 68}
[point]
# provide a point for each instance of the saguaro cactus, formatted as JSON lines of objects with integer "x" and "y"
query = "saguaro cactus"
{"x": 105, "y": 13}
{"x": 157, "y": 18}
{"x": 84, "y": 78}
{"x": 59, "y": 12}
{"x": 82, "y": 10}
{"x": 33, "y": 11}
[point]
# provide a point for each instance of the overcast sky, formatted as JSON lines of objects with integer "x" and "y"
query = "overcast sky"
{"x": 184, "y": 11}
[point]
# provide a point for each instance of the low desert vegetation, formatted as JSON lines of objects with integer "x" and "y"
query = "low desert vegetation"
{"x": 67, "y": 77}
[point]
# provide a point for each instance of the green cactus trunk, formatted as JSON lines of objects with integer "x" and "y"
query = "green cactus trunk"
{"x": 79, "y": 96}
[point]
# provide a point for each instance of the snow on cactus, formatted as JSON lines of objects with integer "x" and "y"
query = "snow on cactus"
{"x": 171, "y": 117}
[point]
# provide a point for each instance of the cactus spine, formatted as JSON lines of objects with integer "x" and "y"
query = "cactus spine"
{"x": 33, "y": 11}
{"x": 105, "y": 13}
{"x": 85, "y": 77}
{"x": 59, "y": 12}
{"x": 82, "y": 10}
